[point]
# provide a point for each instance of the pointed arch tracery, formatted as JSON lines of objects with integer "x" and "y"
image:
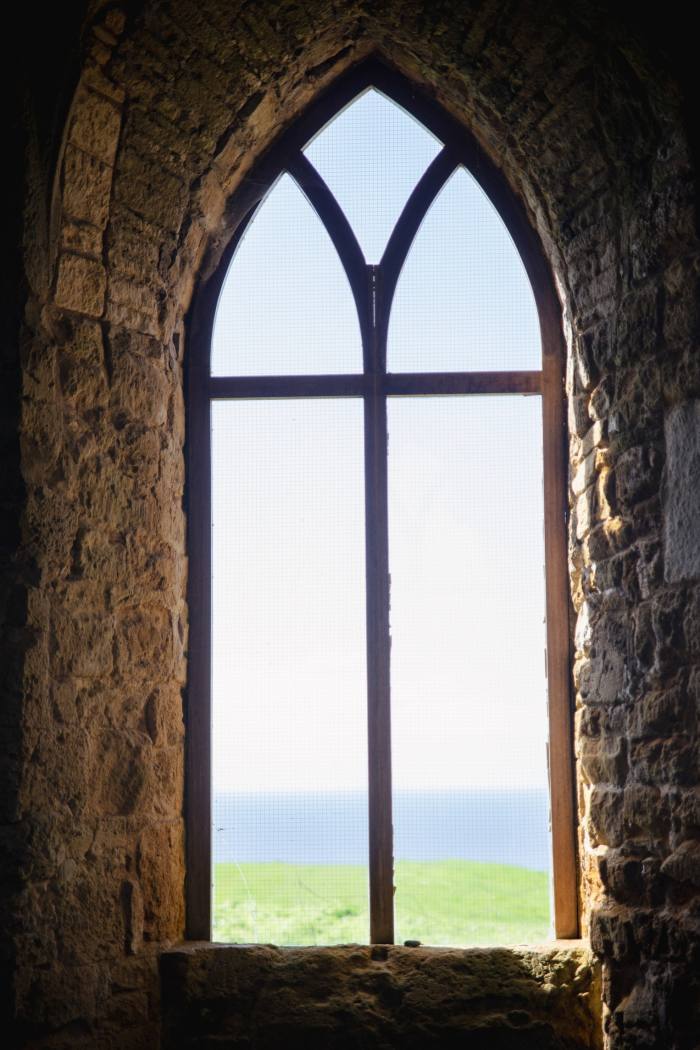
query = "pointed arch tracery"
{"x": 373, "y": 288}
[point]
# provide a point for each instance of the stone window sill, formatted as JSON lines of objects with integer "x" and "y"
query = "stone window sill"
{"x": 260, "y": 995}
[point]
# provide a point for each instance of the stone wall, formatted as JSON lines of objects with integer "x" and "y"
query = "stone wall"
{"x": 123, "y": 210}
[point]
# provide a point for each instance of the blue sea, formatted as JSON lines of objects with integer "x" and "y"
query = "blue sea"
{"x": 499, "y": 826}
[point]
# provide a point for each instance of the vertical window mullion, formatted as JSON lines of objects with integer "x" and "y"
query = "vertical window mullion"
{"x": 381, "y": 873}
{"x": 561, "y": 771}
{"x": 198, "y": 800}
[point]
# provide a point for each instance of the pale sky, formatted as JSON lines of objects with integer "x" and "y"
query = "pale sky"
{"x": 465, "y": 493}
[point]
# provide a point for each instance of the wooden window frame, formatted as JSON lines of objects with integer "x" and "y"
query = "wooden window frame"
{"x": 372, "y": 288}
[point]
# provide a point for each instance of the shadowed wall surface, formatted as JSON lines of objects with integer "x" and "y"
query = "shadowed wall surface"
{"x": 135, "y": 127}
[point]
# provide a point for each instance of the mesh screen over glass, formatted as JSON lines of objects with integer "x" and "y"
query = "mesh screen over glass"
{"x": 371, "y": 156}
{"x": 288, "y": 672}
{"x": 289, "y": 683}
{"x": 463, "y": 301}
{"x": 468, "y": 690}
{"x": 285, "y": 306}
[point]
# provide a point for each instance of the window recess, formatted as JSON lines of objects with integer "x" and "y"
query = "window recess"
{"x": 377, "y": 522}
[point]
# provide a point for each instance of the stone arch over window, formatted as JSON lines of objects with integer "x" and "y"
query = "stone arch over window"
{"x": 172, "y": 107}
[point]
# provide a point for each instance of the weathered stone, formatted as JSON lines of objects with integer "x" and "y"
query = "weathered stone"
{"x": 584, "y": 475}
{"x": 691, "y": 623}
{"x": 667, "y": 619}
{"x": 94, "y": 125}
{"x": 134, "y": 305}
{"x": 579, "y": 420}
{"x": 81, "y": 238}
{"x": 606, "y": 816}
{"x": 81, "y": 642}
{"x": 649, "y": 567}
{"x": 87, "y": 183}
{"x": 604, "y": 761}
{"x": 144, "y": 641}
{"x": 669, "y": 761}
{"x": 163, "y": 715}
{"x": 160, "y": 870}
{"x": 349, "y": 996}
{"x": 139, "y": 387}
{"x": 645, "y": 812}
{"x": 618, "y": 575}
{"x": 636, "y": 474}
{"x": 660, "y": 713}
{"x": 132, "y": 904}
{"x": 684, "y": 863}
{"x": 637, "y": 327}
{"x": 57, "y": 997}
{"x": 682, "y": 493}
{"x": 155, "y": 194}
{"x": 80, "y": 285}
{"x": 632, "y": 879}
{"x": 681, "y": 323}
{"x": 601, "y": 674}
{"x": 82, "y": 369}
{"x": 122, "y": 772}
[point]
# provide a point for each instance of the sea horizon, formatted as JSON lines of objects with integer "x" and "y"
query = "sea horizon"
{"x": 491, "y": 825}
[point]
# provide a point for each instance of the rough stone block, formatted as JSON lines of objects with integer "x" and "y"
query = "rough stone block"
{"x": 139, "y": 387}
{"x": 164, "y": 715}
{"x": 81, "y": 642}
{"x": 604, "y": 761}
{"x": 81, "y": 237}
{"x": 636, "y": 412}
{"x": 606, "y": 816}
{"x": 42, "y": 439}
{"x": 86, "y": 187}
{"x": 150, "y": 190}
{"x": 659, "y": 713}
{"x": 600, "y": 677}
{"x": 684, "y": 863}
{"x": 161, "y": 872}
{"x": 637, "y": 474}
{"x": 137, "y": 299}
{"x": 95, "y": 125}
{"x": 81, "y": 365}
{"x": 59, "y": 996}
{"x": 94, "y": 78}
{"x": 122, "y": 772}
{"x": 681, "y": 529}
{"x": 672, "y": 761}
{"x": 637, "y": 329}
{"x": 81, "y": 285}
{"x": 631, "y": 879}
{"x": 645, "y": 811}
{"x": 687, "y": 812}
{"x": 137, "y": 451}
{"x": 132, "y": 906}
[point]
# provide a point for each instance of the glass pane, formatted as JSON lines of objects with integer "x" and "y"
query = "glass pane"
{"x": 288, "y": 672}
{"x": 286, "y": 305}
{"x": 463, "y": 302}
{"x": 471, "y": 814}
{"x": 371, "y": 156}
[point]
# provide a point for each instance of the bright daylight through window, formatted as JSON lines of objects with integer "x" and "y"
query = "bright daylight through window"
{"x": 379, "y": 766}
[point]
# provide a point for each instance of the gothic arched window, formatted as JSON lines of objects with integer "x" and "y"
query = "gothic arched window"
{"x": 377, "y": 567}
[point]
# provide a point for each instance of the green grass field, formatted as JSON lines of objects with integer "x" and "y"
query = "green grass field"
{"x": 452, "y": 902}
